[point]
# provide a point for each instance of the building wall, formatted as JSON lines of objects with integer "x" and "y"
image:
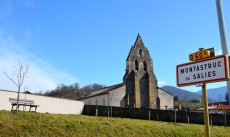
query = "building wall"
{"x": 166, "y": 99}
{"x": 114, "y": 97}
{"x": 46, "y": 104}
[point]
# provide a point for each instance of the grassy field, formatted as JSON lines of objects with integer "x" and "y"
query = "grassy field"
{"x": 27, "y": 124}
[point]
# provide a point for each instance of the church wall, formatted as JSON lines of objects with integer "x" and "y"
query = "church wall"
{"x": 46, "y": 104}
{"x": 114, "y": 97}
{"x": 144, "y": 90}
{"x": 130, "y": 89}
{"x": 166, "y": 99}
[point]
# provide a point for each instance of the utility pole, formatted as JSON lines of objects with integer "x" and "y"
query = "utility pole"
{"x": 223, "y": 38}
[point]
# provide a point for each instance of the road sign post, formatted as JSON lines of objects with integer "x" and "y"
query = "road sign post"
{"x": 205, "y": 108}
{"x": 205, "y": 68}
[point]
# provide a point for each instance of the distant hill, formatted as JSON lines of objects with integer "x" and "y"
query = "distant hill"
{"x": 183, "y": 95}
{"x": 216, "y": 93}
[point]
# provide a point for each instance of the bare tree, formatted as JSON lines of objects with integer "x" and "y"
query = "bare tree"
{"x": 19, "y": 74}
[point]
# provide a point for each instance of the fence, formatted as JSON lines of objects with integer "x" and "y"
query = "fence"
{"x": 158, "y": 115}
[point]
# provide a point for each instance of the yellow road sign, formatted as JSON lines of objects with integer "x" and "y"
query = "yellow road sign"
{"x": 202, "y": 54}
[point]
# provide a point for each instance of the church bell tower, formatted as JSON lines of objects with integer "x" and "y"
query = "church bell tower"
{"x": 140, "y": 80}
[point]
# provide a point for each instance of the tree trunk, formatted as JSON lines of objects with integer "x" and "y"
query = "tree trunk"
{"x": 18, "y": 98}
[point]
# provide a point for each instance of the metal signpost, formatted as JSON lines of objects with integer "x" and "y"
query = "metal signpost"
{"x": 224, "y": 43}
{"x": 205, "y": 68}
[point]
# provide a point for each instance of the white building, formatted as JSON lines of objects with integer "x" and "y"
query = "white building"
{"x": 166, "y": 99}
{"x": 115, "y": 96}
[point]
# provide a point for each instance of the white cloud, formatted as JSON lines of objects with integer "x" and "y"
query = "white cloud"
{"x": 42, "y": 75}
{"x": 161, "y": 83}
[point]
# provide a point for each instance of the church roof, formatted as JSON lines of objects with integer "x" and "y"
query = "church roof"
{"x": 103, "y": 91}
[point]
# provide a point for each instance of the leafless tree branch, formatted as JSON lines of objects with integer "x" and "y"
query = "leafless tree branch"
{"x": 19, "y": 74}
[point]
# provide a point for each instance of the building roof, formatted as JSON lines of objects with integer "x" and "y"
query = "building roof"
{"x": 72, "y": 99}
{"x": 102, "y": 91}
{"x": 216, "y": 107}
{"x": 165, "y": 91}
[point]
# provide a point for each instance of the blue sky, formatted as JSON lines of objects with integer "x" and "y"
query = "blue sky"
{"x": 88, "y": 41}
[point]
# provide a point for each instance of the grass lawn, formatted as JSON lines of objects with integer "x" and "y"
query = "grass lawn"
{"x": 27, "y": 124}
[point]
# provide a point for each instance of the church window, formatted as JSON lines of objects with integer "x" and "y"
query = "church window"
{"x": 145, "y": 66}
{"x": 140, "y": 53}
{"x": 136, "y": 65}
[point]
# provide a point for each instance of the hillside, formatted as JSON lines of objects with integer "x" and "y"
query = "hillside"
{"x": 183, "y": 95}
{"x": 216, "y": 93}
{"x": 28, "y": 124}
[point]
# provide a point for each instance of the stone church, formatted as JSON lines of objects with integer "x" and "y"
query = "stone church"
{"x": 139, "y": 88}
